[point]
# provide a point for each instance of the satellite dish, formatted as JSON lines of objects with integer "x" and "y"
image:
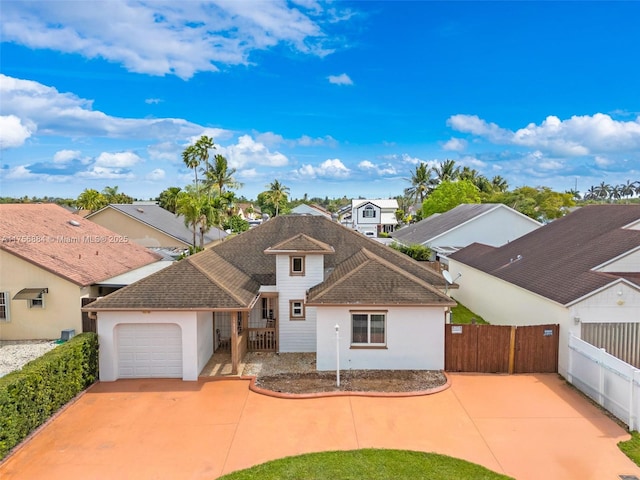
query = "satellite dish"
{"x": 447, "y": 276}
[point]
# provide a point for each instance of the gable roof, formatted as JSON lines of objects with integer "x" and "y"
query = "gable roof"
{"x": 434, "y": 226}
{"x": 366, "y": 279}
{"x": 558, "y": 260}
{"x": 67, "y": 245}
{"x": 383, "y": 203}
{"x": 163, "y": 220}
{"x": 233, "y": 271}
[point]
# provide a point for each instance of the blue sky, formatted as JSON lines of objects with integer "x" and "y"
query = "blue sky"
{"x": 330, "y": 98}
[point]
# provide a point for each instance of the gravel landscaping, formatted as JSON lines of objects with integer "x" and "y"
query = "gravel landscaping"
{"x": 16, "y": 353}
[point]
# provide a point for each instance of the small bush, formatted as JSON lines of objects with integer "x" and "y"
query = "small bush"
{"x": 28, "y": 397}
{"x": 417, "y": 252}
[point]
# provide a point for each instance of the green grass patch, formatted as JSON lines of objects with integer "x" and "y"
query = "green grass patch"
{"x": 462, "y": 314}
{"x": 372, "y": 464}
{"x": 631, "y": 447}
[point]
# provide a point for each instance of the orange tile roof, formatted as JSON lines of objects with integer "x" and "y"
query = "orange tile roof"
{"x": 67, "y": 245}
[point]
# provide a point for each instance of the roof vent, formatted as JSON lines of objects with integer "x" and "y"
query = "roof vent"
{"x": 74, "y": 223}
{"x": 141, "y": 210}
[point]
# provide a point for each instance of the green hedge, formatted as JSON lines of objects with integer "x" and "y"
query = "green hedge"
{"x": 28, "y": 397}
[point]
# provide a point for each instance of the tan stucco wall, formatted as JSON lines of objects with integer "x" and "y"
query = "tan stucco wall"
{"x": 136, "y": 231}
{"x": 61, "y": 305}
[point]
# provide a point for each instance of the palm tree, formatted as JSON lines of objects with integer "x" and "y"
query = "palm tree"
{"x": 602, "y": 191}
{"x": 168, "y": 199}
{"x": 192, "y": 160}
{"x": 276, "y": 194}
{"x": 499, "y": 184}
{"x": 628, "y": 189}
{"x": 219, "y": 175}
{"x": 421, "y": 183}
{"x": 615, "y": 193}
{"x": 447, "y": 171}
{"x": 591, "y": 194}
{"x": 91, "y": 200}
{"x": 575, "y": 194}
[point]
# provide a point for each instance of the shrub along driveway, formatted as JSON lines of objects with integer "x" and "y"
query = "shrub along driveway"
{"x": 526, "y": 426}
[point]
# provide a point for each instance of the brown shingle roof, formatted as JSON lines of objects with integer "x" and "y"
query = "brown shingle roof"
{"x": 366, "y": 279}
{"x": 67, "y": 245}
{"x": 233, "y": 271}
{"x": 300, "y": 243}
{"x": 557, "y": 260}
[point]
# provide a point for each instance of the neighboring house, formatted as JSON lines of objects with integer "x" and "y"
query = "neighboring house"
{"x": 371, "y": 217}
{"x": 283, "y": 286}
{"x": 50, "y": 259}
{"x": 581, "y": 271}
{"x": 152, "y": 226}
{"x": 304, "y": 209}
{"x": 491, "y": 224}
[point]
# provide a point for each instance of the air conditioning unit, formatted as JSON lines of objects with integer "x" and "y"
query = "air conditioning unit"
{"x": 67, "y": 334}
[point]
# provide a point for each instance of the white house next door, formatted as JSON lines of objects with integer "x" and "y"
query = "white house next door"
{"x": 146, "y": 350}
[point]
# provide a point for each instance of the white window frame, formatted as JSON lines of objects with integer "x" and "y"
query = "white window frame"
{"x": 369, "y": 315}
{"x": 369, "y": 212}
{"x": 294, "y": 314}
{"x": 39, "y": 302}
{"x": 5, "y": 304}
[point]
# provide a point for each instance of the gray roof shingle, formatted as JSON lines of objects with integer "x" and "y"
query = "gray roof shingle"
{"x": 557, "y": 260}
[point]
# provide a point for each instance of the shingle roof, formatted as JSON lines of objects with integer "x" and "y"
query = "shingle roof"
{"x": 300, "y": 243}
{"x": 233, "y": 271}
{"x": 432, "y": 227}
{"x": 366, "y": 279}
{"x": 67, "y": 245}
{"x": 163, "y": 220}
{"x": 557, "y": 260}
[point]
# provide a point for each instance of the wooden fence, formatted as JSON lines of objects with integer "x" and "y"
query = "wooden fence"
{"x": 501, "y": 349}
{"x": 88, "y": 323}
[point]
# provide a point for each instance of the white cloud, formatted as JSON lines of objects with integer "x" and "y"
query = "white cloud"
{"x": 269, "y": 139}
{"x": 307, "y": 141}
{"x": 165, "y": 151}
{"x": 342, "y": 79}
{"x": 157, "y": 174}
{"x": 332, "y": 168}
{"x": 455, "y": 144}
{"x": 43, "y": 108}
{"x": 21, "y": 172}
{"x": 13, "y": 133}
{"x": 576, "y": 136}
{"x": 382, "y": 170}
{"x": 160, "y": 38}
{"x": 249, "y": 152}
{"x": 98, "y": 172}
{"x": 603, "y": 161}
{"x": 152, "y": 101}
{"x": 117, "y": 160}
{"x": 62, "y": 157}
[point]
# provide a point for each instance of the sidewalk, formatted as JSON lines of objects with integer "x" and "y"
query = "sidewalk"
{"x": 526, "y": 426}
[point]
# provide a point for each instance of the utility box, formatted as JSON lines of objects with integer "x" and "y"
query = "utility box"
{"x": 67, "y": 334}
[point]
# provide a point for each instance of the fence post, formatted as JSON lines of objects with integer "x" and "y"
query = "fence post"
{"x": 634, "y": 421}
{"x": 512, "y": 349}
{"x": 570, "y": 365}
{"x": 601, "y": 394}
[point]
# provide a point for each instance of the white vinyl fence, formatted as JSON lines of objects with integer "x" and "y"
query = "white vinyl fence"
{"x": 614, "y": 384}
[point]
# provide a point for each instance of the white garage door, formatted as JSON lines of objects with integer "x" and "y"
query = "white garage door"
{"x": 147, "y": 350}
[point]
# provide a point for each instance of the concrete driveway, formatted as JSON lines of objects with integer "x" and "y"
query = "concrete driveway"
{"x": 526, "y": 426}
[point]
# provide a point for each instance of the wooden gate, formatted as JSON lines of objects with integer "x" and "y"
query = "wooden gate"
{"x": 501, "y": 349}
{"x": 88, "y": 323}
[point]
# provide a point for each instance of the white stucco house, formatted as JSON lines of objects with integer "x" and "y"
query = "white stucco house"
{"x": 581, "y": 271}
{"x": 282, "y": 286}
{"x": 491, "y": 224}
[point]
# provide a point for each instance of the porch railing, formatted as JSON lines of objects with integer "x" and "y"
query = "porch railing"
{"x": 261, "y": 339}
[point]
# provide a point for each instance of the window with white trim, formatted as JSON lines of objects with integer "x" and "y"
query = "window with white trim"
{"x": 4, "y": 307}
{"x": 36, "y": 302}
{"x": 296, "y": 265}
{"x": 296, "y": 310}
{"x": 368, "y": 328}
{"x": 369, "y": 212}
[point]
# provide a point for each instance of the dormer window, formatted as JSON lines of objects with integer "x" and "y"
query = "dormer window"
{"x": 369, "y": 212}
{"x": 296, "y": 265}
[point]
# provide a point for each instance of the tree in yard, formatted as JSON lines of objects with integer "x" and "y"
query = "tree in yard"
{"x": 627, "y": 190}
{"x": 448, "y": 195}
{"x": 421, "y": 183}
{"x": 113, "y": 196}
{"x": 218, "y": 175}
{"x": 91, "y": 200}
{"x": 603, "y": 190}
{"x": 499, "y": 184}
{"x": 447, "y": 171}
{"x": 194, "y": 155}
{"x": 168, "y": 199}
{"x": 277, "y": 195}
{"x": 542, "y": 203}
